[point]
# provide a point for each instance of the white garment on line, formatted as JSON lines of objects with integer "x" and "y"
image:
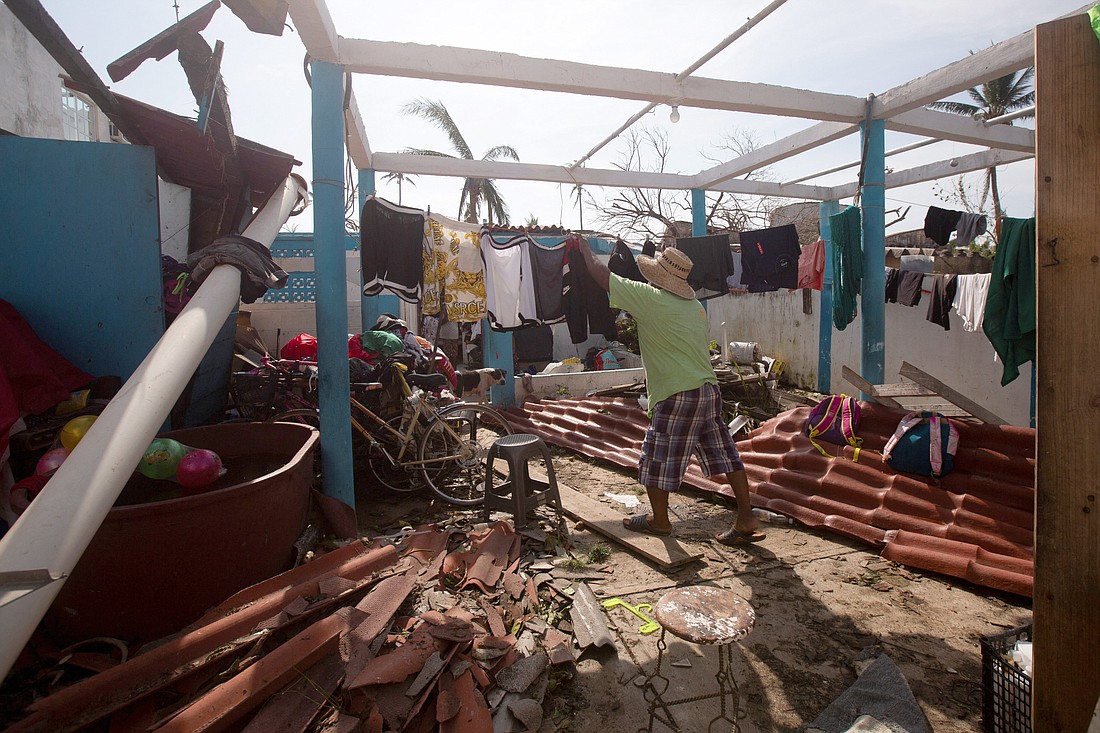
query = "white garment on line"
{"x": 509, "y": 286}
{"x": 970, "y": 294}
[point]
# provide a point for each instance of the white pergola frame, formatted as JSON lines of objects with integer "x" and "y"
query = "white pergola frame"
{"x": 902, "y": 109}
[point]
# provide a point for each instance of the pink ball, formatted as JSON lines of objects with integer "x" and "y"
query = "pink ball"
{"x": 199, "y": 468}
{"x": 50, "y": 461}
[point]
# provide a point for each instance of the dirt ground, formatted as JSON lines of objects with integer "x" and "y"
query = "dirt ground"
{"x": 826, "y": 607}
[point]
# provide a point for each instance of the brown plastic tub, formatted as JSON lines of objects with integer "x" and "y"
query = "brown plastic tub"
{"x": 155, "y": 567}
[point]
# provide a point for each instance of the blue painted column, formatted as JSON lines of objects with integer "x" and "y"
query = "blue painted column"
{"x": 698, "y": 212}
{"x": 699, "y": 218}
{"x": 825, "y": 309}
{"x": 375, "y": 305}
{"x": 330, "y": 275}
{"x": 873, "y": 291}
{"x": 498, "y": 352}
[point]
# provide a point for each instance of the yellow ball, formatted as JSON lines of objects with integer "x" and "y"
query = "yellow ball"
{"x": 74, "y": 430}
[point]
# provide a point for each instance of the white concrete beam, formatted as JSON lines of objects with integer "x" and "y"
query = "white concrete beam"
{"x": 507, "y": 170}
{"x": 314, "y": 24}
{"x": 942, "y": 169}
{"x": 764, "y": 156}
{"x": 946, "y": 126}
{"x": 358, "y": 144}
{"x": 447, "y": 63}
{"x": 981, "y": 66}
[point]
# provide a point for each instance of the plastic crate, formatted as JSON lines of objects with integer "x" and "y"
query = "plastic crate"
{"x": 1006, "y": 689}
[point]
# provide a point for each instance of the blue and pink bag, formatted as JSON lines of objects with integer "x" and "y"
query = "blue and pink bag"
{"x": 835, "y": 419}
{"x": 924, "y": 443}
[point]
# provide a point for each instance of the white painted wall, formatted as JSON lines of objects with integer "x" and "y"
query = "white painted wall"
{"x": 960, "y": 359}
{"x": 30, "y": 89}
{"x": 175, "y": 219}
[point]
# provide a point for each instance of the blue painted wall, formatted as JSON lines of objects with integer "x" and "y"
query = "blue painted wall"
{"x": 80, "y": 249}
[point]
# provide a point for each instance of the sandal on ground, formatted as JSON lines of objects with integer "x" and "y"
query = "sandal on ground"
{"x": 734, "y": 538}
{"x": 640, "y": 523}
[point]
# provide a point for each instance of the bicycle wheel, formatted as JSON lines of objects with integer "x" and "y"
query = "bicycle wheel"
{"x": 302, "y": 416}
{"x": 394, "y": 478}
{"x": 464, "y": 433}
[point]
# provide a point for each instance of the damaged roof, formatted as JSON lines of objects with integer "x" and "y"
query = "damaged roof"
{"x": 977, "y": 523}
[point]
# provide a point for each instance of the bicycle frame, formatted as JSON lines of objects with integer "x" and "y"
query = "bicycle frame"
{"x": 405, "y": 438}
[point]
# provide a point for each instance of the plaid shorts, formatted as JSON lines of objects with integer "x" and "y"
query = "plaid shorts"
{"x": 686, "y": 423}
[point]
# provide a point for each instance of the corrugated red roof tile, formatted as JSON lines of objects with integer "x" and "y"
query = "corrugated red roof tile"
{"x": 977, "y": 523}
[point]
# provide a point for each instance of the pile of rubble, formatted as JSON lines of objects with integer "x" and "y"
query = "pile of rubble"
{"x": 427, "y": 629}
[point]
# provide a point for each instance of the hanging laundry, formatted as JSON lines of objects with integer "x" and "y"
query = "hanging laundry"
{"x": 770, "y": 258}
{"x": 1010, "y": 307}
{"x": 712, "y": 263}
{"x": 847, "y": 255}
{"x": 623, "y": 264}
{"x": 970, "y": 296}
{"x": 547, "y": 264}
{"x": 909, "y": 287}
{"x": 454, "y": 275}
{"x": 735, "y": 282}
{"x": 587, "y": 309}
{"x": 917, "y": 263}
{"x": 811, "y": 266}
{"x": 969, "y": 227}
{"x": 893, "y": 279}
{"x": 509, "y": 281}
{"x": 391, "y": 241}
{"x": 939, "y": 223}
{"x": 943, "y": 297}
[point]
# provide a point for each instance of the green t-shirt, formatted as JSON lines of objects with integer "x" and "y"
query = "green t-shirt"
{"x": 673, "y": 335}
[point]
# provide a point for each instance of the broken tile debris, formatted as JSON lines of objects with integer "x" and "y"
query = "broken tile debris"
{"x": 445, "y": 630}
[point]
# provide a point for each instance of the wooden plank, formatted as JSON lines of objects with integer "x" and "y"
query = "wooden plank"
{"x": 951, "y": 395}
{"x": 868, "y": 389}
{"x": 1067, "y": 513}
{"x": 472, "y": 66}
{"x": 903, "y": 389}
{"x": 665, "y": 551}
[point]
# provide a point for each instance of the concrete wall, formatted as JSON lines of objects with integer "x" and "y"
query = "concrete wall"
{"x": 30, "y": 90}
{"x": 961, "y": 359}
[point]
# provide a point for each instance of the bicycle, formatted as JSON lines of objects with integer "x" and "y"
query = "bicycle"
{"x": 443, "y": 448}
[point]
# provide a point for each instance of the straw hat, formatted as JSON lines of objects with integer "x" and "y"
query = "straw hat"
{"x": 669, "y": 271}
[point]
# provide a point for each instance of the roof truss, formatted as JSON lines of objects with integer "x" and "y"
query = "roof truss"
{"x": 903, "y": 109}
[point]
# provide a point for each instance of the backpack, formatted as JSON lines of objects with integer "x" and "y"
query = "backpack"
{"x": 835, "y": 419}
{"x": 924, "y": 443}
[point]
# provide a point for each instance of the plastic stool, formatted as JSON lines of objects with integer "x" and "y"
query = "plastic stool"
{"x": 700, "y": 614}
{"x": 520, "y": 493}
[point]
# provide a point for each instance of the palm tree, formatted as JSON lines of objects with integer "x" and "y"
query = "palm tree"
{"x": 400, "y": 178}
{"x": 474, "y": 190}
{"x": 1000, "y": 96}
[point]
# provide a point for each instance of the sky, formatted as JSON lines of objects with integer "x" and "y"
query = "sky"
{"x": 852, "y": 47}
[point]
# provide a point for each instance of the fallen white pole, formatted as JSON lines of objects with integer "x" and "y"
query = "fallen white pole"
{"x": 43, "y": 546}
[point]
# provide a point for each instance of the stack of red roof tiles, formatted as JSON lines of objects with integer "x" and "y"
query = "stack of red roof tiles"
{"x": 977, "y": 523}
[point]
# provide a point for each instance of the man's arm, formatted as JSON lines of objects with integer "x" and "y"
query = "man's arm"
{"x": 596, "y": 269}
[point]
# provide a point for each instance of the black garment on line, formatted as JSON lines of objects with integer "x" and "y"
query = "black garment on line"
{"x": 623, "y": 264}
{"x": 711, "y": 264}
{"x": 909, "y": 288}
{"x": 546, "y": 268}
{"x": 943, "y": 297}
{"x": 587, "y": 309}
{"x": 939, "y": 223}
{"x": 770, "y": 259}
{"x": 392, "y": 251}
{"x": 893, "y": 279}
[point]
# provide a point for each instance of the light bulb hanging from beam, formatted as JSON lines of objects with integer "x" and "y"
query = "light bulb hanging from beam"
{"x": 674, "y": 115}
